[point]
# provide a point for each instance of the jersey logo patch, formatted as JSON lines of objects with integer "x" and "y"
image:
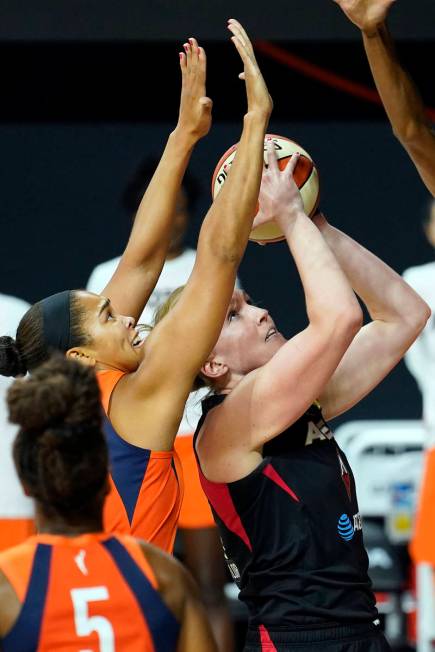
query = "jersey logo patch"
{"x": 80, "y": 561}
{"x": 346, "y": 529}
{"x": 318, "y": 430}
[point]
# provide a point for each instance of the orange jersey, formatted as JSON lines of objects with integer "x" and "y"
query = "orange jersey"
{"x": 146, "y": 486}
{"x": 422, "y": 546}
{"x": 91, "y": 592}
{"x": 195, "y": 510}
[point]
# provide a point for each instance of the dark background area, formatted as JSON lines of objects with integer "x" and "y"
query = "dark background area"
{"x": 83, "y": 100}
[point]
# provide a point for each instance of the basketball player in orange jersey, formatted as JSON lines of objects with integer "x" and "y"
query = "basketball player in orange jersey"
{"x": 72, "y": 586}
{"x": 281, "y": 490}
{"x": 145, "y": 382}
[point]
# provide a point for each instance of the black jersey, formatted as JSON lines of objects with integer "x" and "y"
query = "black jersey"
{"x": 291, "y": 531}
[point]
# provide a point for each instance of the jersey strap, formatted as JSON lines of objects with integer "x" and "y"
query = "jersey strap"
{"x": 24, "y": 636}
{"x": 162, "y": 623}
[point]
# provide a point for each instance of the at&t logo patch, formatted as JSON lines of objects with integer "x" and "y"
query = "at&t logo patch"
{"x": 346, "y": 529}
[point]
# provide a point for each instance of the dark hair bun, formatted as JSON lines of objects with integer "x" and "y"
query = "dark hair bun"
{"x": 60, "y": 395}
{"x": 11, "y": 362}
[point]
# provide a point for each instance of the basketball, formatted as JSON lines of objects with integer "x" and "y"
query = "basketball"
{"x": 305, "y": 176}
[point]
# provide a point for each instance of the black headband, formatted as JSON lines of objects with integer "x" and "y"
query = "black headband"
{"x": 56, "y": 321}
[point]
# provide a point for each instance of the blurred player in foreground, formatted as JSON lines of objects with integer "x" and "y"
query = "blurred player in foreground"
{"x": 73, "y": 586}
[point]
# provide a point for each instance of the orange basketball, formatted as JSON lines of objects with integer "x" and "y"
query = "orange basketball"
{"x": 305, "y": 176}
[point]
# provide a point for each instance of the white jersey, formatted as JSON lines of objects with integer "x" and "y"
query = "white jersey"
{"x": 13, "y": 503}
{"x": 175, "y": 272}
{"x": 420, "y": 359}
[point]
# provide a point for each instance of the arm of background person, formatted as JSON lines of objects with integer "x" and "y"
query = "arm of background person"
{"x": 143, "y": 259}
{"x": 416, "y": 358}
{"x": 400, "y": 97}
{"x": 399, "y": 314}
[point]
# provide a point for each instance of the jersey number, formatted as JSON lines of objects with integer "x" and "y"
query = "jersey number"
{"x": 85, "y": 625}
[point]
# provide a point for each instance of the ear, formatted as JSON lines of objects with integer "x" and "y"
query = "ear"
{"x": 214, "y": 369}
{"x": 81, "y": 356}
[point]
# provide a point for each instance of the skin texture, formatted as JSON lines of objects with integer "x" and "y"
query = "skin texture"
{"x": 148, "y": 402}
{"x": 401, "y": 99}
{"x": 333, "y": 359}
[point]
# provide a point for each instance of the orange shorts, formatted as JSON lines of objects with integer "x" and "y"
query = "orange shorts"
{"x": 422, "y": 546}
{"x": 195, "y": 510}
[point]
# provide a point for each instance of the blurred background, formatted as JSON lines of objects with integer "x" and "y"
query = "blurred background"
{"x": 89, "y": 89}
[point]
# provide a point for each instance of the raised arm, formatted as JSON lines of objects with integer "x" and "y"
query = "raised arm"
{"x": 181, "y": 342}
{"x": 266, "y": 401}
{"x": 401, "y": 99}
{"x": 398, "y": 313}
{"x": 141, "y": 264}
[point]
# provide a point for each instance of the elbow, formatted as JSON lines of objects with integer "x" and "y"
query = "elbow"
{"x": 409, "y": 131}
{"x": 417, "y": 319}
{"x": 348, "y": 322}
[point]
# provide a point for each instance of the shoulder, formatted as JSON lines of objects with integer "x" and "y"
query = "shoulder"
{"x": 166, "y": 568}
{"x": 174, "y": 583}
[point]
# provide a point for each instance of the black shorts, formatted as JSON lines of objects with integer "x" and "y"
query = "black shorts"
{"x": 347, "y": 638}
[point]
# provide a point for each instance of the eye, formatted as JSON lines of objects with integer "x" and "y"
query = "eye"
{"x": 110, "y": 316}
{"x": 232, "y": 314}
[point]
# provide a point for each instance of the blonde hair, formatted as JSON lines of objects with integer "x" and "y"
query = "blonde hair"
{"x": 160, "y": 313}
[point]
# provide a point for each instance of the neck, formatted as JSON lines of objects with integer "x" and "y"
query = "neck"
{"x": 59, "y": 525}
{"x": 233, "y": 380}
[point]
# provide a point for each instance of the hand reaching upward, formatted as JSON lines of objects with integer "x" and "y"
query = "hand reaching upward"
{"x": 195, "y": 107}
{"x": 259, "y": 100}
{"x": 366, "y": 14}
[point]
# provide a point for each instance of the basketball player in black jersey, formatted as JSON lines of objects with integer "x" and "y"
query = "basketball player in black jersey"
{"x": 281, "y": 490}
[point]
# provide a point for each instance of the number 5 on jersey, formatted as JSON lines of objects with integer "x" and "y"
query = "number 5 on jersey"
{"x": 86, "y": 624}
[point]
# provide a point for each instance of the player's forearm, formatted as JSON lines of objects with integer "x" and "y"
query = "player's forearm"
{"x": 151, "y": 232}
{"x": 229, "y": 221}
{"x": 400, "y": 97}
{"x": 387, "y": 296}
{"x": 327, "y": 290}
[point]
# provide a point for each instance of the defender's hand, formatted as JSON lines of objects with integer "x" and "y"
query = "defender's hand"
{"x": 259, "y": 100}
{"x": 195, "y": 107}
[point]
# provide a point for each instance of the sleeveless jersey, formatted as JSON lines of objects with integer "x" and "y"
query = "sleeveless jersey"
{"x": 291, "y": 531}
{"x": 146, "y": 487}
{"x": 91, "y": 592}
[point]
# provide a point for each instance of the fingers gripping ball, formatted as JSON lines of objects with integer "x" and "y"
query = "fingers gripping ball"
{"x": 305, "y": 175}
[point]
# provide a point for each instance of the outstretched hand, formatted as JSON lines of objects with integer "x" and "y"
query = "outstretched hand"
{"x": 279, "y": 197}
{"x": 259, "y": 100}
{"x": 366, "y": 14}
{"x": 195, "y": 107}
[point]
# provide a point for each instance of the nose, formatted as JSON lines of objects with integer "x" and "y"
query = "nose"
{"x": 262, "y": 315}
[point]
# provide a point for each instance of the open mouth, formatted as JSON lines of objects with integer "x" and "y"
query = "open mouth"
{"x": 139, "y": 338}
{"x": 270, "y": 333}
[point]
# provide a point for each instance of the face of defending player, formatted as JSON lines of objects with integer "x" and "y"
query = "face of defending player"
{"x": 248, "y": 340}
{"x": 113, "y": 340}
